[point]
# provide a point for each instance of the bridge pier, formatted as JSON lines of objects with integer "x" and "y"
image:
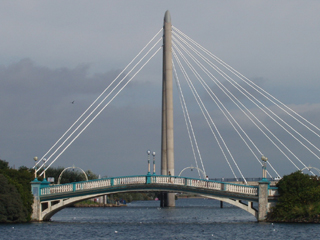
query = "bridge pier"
{"x": 263, "y": 200}
{"x": 36, "y": 210}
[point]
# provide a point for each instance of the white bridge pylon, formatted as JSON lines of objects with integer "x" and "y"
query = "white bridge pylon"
{"x": 226, "y": 99}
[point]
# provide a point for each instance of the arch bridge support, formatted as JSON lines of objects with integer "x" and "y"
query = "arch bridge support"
{"x": 238, "y": 203}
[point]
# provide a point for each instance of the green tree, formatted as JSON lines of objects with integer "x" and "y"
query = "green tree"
{"x": 19, "y": 180}
{"x": 16, "y": 198}
{"x": 4, "y": 165}
{"x": 11, "y": 205}
{"x": 91, "y": 175}
{"x": 299, "y": 199}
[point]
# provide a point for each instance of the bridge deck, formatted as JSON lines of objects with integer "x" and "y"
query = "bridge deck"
{"x": 152, "y": 183}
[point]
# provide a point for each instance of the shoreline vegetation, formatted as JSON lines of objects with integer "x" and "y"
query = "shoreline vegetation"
{"x": 299, "y": 200}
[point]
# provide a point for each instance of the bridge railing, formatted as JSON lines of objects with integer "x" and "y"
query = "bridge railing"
{"x": 57, "y": 189}
{"x": 153, "y": 179}
{"x": 92, "y": 184}
{"x": 242, "y": 179}
{"x": 129, "y": 180}
{"x": 200, "y": 183}
{"x": 273, "y": 191}
{"x": 241, "y": 189}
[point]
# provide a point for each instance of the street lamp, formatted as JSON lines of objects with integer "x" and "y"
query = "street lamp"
{"x": 44, "y": 167}
{"x": 154, "y": 163}
{"x": 148, "y": 152}
{"x": 35, "y": 169}
{"x": 264, "y": 167}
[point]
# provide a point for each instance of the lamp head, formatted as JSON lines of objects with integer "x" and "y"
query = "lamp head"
{"x": 263, "y": 158}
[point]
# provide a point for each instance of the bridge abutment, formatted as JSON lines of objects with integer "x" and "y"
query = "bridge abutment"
{"x": 36, "y": 186}
{"x": 36, "y": 206}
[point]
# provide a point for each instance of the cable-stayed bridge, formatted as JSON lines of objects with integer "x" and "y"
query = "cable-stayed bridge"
{"x": 222, "y": 96}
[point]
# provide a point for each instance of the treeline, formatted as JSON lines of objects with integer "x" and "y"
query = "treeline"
{"x": 15, "y": 194}
{"x": 299, "y": 199}
{"x": 15, "y": 189}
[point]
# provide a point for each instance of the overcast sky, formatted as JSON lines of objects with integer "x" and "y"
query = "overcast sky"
{"x": 56, "y": 52}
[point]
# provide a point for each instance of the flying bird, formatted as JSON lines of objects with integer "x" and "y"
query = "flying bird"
{"x": 72, "y": 102}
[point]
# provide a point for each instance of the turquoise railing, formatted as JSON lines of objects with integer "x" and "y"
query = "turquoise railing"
{"x": 113, "y": 182}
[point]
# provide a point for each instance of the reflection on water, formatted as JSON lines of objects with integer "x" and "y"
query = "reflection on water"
{"x": 190, "y": 219}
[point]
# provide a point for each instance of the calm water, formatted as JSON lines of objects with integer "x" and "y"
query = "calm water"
{"x": 190, "y": 219}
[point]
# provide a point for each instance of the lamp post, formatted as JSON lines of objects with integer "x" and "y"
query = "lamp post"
{"x": 264, "y": 167}
{"x": 154, "y": 163}
{"x": 35, "y": 169}
{"x": 44, "y": 167}
{"x": 148, "y": 152}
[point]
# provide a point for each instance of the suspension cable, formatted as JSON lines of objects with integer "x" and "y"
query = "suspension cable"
{"x": 208, "y": 73}
{"x": 196, "y": 74}
{"x": 246, "y": 80}
{"x": 205, "y": 59}
{"x": 215, "y": 99}
{"x": 188, "y": 122}
{"x": 205, "y": 113}
{"x": 220, "y": 85}
{"x": 101, "y": 102}
{"x": 95, "y": 101}
{"x": 102, "y": 109}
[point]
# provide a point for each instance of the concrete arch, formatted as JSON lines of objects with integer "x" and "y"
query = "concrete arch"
{"x": 57, "y": 205}
{"x": 54, "y": 206}
{"x": 238, "y": 203}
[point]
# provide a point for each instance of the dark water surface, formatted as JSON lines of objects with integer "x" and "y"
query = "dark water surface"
{"x": 190, "y": 219}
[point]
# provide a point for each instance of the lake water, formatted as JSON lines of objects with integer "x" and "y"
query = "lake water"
{"x": 190, "y": 219}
